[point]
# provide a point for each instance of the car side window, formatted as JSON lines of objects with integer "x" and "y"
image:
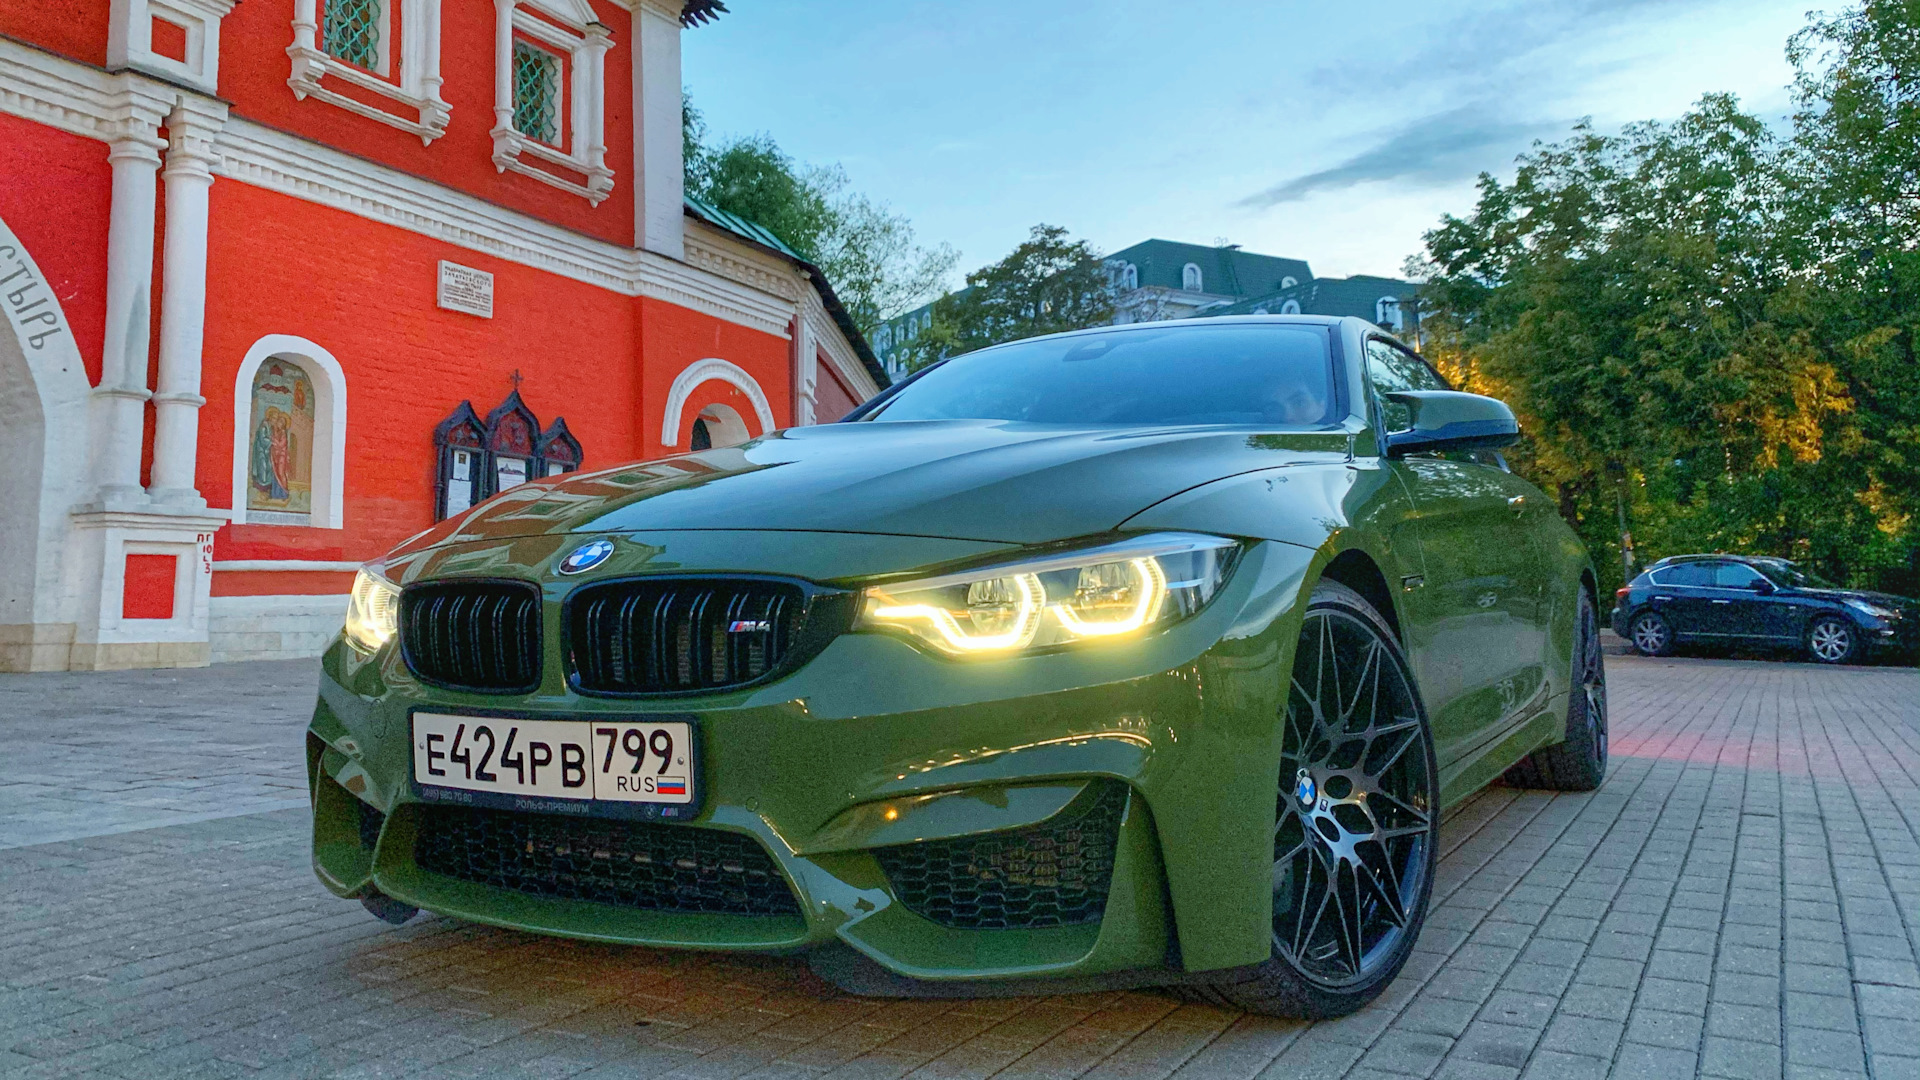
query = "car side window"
{"x": 1699, "y": 575}
{"x": 1390, "y": 369}
{"x": 1735, "y": 575}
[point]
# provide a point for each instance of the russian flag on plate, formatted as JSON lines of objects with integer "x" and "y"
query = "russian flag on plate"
{"x": 670, "y": 785}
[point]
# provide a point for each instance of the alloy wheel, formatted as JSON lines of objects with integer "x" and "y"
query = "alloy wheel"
{"x": 1593, "y": 681}
{"x": 1649, "y": 635}
{"x": 1830, "y": 641}
{"x": 1354, "y": 833}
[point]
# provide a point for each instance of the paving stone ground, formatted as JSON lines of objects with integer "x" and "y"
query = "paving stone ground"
{"x": 1742, "y": 899}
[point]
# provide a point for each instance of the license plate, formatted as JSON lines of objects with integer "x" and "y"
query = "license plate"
{"x": 582, "y": 761}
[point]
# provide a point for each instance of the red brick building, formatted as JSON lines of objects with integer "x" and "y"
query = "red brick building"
{"x": 285, "y": 281}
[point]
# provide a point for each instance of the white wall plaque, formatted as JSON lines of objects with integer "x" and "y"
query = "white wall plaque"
{"x": 462, "y": 288}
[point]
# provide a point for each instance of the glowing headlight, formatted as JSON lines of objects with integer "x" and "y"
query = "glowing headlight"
{"x": 373, "y": 612}
{"x": 1105, "y": 592}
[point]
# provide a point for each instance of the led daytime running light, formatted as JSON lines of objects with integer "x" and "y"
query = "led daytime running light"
{"x": 373, "y": 610}
{"x": 1030, "y": 596}
{"x": 1152, "y": 588}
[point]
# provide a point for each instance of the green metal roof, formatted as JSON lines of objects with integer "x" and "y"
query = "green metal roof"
{"x": 1224, "y": 271}
{"x": 1356, "y": 295}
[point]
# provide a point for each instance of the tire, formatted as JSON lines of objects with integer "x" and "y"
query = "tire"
{"x": 1832, "y": 639}
{"x": 1371, "y": 780}
{"x": 1651, "y": 634}
{"x": 1578, "y": 763}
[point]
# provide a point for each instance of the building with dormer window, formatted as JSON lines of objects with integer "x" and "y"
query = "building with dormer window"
{"x": 287, "y": 281}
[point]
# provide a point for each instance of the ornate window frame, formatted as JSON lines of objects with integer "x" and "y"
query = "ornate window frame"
{"x": 1191, "y": 280}
{"x": 569, "y": 28}
{"x": 701, "y": 371}
{"x": 329, "y": 426}
{"x": 416, "y": 88}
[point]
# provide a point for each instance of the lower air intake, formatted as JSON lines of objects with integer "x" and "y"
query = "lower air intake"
{"x": 1056, "y": 873}
{"x": 627, "y": 864}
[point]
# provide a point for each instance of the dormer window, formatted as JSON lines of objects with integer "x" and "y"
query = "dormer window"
{"x": 1130, "y": 277}
{"x": 1190, "y": 278}
{"x": 1289, "y": 282}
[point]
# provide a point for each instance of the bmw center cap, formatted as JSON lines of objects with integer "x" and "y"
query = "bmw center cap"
{"x": 586, "y": 557}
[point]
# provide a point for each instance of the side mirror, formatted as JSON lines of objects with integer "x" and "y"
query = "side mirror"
{"x": 1450, "y": 420}
{"x": 1761, "y": 586}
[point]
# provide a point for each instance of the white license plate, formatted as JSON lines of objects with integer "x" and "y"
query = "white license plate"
{"x": 612, "y": 761}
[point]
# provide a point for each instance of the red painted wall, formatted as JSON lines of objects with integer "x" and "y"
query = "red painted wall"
{"x": 253, "y": 75}
{"x": 831, "y": 398}
{"x": 75, "y": 28}
{"x": 56, "y": 191}
{"x": 366, "y": 293}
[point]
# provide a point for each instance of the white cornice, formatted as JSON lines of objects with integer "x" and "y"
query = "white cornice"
{"x": 727, "y": 280}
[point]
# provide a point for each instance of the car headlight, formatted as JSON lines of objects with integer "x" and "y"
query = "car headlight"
{"x": 1113, "y": 591}
{"x": 1873, "y": 610}
{"x": 373, "y": 611}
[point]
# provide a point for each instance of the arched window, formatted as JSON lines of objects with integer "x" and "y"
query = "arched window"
{"x": 1291, "y": 307}
{"x": 1190, "y": 278}
{"x": 1289, "y": 282}
{"x": 1386, "y": 312}
{"x": 1130, "y": 277}
{"x": 280, "y": 445}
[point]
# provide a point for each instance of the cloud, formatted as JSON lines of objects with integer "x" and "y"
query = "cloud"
{"x": 1435, "y": 149}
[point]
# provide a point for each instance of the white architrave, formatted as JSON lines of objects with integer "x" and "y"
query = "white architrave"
{"x": 418, "y": 87}
{"x": 329, "y": 424}
{"x": 710, "y": 369}
{"x": 659, "y": 170}
{"x": 130, "y": 39}
{"x": 584, "y": 41}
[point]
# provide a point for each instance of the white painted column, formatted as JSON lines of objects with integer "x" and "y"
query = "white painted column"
{"x": 659, "y": 168}
{"x": 119, "y": 401}
{"x": 183, "y": 306}
{"x": 806, "y": 368}
{"x": 502, "y": 67}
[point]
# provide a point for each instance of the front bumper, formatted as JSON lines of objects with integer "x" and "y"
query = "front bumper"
{"x": 875, "y": 750}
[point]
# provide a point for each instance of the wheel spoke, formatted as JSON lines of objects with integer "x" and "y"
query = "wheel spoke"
{"x": 1389, "y": 897}
{"x": 1419, "y": 815}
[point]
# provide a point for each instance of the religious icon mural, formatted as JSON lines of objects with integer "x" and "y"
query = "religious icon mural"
{"x": 280, "y": 469}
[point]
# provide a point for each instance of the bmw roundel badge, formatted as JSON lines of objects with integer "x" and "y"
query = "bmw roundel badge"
{"x": 586, "y": 557}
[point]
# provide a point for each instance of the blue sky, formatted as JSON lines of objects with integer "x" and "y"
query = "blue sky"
{"x": 1336, "y": 132}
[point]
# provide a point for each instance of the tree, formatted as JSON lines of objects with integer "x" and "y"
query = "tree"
{"x": 867, "y": 252}
{"x": 1047, "y": 285}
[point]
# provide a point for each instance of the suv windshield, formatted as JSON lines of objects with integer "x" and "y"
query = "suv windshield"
{"x": 1795, "y": 575}
{"x": 1264, "y": 374}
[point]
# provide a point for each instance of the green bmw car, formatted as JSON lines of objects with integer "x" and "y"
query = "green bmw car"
{"x": 1147, "y": 655}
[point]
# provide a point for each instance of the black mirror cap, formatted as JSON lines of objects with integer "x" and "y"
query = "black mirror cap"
{"x": 1450, "y": 420}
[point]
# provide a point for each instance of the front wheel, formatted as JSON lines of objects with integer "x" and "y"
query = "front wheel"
{"x": 1356, "y": 824}
{"x": 1832, "y": 640}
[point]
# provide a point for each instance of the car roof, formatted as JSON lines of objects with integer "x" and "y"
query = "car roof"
{"x": 1195, "y": 322}
{"x": 1672, "y": 560}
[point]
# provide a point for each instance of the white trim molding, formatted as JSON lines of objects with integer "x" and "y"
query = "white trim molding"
{"x": 417, "y": 88}
{"x": 329, "y": 425}
{"x": 130, "y": 39}
{"x": 709, "y": 370}
{"x": 572, "y": 30}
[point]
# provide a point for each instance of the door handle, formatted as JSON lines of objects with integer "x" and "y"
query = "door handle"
{"x": 1723, "y": 601}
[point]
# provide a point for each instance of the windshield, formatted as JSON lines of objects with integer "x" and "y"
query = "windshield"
{"x": 1262, "y": 374}
{"x": 1796, "y": 575}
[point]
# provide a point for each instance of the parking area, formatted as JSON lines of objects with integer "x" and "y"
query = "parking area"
{"x": 1742, "y": 899}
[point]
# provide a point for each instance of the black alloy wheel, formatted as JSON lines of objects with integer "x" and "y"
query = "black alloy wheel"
{"x": 1832, "y": 639}
{"x": 1578, "y": 763}
{"x": 1355, "y": 834}
{"x": 1651, "y": 635}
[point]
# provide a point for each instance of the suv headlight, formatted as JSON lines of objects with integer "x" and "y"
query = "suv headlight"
{"x": 373, "y": 611}
{"x": 1873, "y": 610}
{"x": 1113, "y": 591}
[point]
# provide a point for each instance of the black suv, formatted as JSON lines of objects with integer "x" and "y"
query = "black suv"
{"x": 1746, "y": 600}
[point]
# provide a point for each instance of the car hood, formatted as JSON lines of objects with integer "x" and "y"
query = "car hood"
{"x": 1886, "y": 600}
{"x": 994, "y": 481}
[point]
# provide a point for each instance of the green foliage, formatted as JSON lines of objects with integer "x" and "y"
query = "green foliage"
{"x": 1711, "y": 326}
{"x": 867, "y": 252}
{"x": 1047, "y": 285}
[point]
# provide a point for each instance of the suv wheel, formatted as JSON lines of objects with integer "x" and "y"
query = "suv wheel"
{"x": 1832, "y": 640}
{"x": 1651, "y": 635}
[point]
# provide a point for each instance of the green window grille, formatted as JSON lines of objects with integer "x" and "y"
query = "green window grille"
{"x": 352, "y": 31}
{"x": 536, "y": 93}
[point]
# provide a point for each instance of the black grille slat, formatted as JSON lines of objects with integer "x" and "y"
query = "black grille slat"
{"x": 473, "y": 635}
{"x": 1055, "y": 873}
{"x": 678, "y": 635}
{"x": 625, "y": 863}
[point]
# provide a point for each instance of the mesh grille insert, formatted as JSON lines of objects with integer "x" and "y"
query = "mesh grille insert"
{"x": 680, "y": 635}
{"x": 473, "y": 635}
{"x": 1056, "y": 873}
{"x": 626, "y": 863}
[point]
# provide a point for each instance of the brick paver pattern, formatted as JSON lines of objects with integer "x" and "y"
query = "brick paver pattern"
{"x": 1742, "y": 899}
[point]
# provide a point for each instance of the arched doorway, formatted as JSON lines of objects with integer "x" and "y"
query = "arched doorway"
{"x": 44, "y": 445}
{"x": 724, "y": 425}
